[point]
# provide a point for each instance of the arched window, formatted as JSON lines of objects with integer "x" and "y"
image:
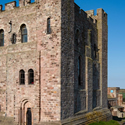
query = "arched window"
{"x": 23, "y": 33}
{"x": 31, "y": 76}
{"x": 1, "y": 38}
{"x": 14, "y": 38}
{"x": 22, "y": 77}
{"x": 48, "y": 26}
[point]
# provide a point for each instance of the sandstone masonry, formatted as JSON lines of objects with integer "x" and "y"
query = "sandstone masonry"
{"x": 66, "y": 48}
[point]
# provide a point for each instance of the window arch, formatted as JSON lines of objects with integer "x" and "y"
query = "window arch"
{"x": 30, "y": 76}
{"x": 22, "y": 77}
{"x": 23, "y": 34}
{"x": 1, "y": 38}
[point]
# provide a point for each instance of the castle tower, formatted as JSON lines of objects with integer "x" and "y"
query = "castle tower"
{"x": 102, "y": 46}
{"x": 49, "y": 62}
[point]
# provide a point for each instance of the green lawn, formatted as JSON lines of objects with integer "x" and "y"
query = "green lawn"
{"x": 123, "y": 96}
{"x": 112, "y": 122}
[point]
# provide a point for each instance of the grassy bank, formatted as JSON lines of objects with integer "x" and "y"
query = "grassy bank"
{"x": 112, "y": 122}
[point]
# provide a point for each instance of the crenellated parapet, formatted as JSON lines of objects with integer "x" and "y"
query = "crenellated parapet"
{"x": 24, "y": 2}
{"x": 90, "y": 13}
{"x": 101, "y": 15}
{"x": 91, "y": 16}
{"x": 1, "y": 7}
{"x": 10, "y": 6}
{"x": 85, "y": 14}
{"x": 79, "y": 12}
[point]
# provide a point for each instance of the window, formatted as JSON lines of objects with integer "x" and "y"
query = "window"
{"x": 89, "y": 37}
{"x": 1, "y": 38}
{"x": 77, "y": 37}
{"x": 31, "y": 76}
{"x": 14, "y": 38}
{"x": 22, "y": 77}
{"x": 79, "y": 70}
{"x": 95, "y": 49}
{"x": 94, "y": 104}
{"x": 48, "y": 26}
{"x": 24, "y": 2}
{"x": 23, "y": 33}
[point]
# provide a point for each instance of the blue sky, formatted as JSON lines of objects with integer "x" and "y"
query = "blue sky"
{"x": 116, "y": 36}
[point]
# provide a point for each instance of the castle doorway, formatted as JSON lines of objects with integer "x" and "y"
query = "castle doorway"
{"x": 25, "y": 113}
{"x": 29, "y": 117}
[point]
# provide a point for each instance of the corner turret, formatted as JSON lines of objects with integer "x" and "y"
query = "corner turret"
{"x": 102, "y": 46}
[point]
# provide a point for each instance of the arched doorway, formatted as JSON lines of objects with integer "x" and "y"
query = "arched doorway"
{"x": 28, "y": 117}
{"x": 25, "y": 113}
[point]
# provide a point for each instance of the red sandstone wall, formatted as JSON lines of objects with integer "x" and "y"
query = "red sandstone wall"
{"x": 41, "y": 53}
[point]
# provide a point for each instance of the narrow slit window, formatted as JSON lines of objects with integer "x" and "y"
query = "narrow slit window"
{"x": 22, "y": 77}
{"x": 48, "y": 26}
{"x": 1, "y": 38}
{"x": 79, "y": 70}
{"x": 24, "y": 2}
{"x": 77, "y": 37}
{"x": 23, "y": 34}
{"x": 14, "y": 38}
{"x": 89, "y": 37}
{"x": 31, "y": 76}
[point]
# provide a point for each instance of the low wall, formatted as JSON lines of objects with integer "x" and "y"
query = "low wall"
{"x": 80, "y": 118}
{"x": 85, "y": 118}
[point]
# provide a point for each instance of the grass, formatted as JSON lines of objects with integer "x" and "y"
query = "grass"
{"x": 123, "y": 94}
{"x": 111, "y": 122}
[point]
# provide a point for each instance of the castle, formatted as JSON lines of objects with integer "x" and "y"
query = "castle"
{"x": 53, "y": 62}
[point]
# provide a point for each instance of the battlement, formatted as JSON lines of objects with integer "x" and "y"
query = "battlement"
{"x": 1, "y": 7}
{"x": 79, "y": 12}
{"x": 101, "y": 12}
{"x": 85, "y": 14}
{"x": 90, "y": 12}
{"x": 24, "y": 2}
{"x": 11, "y": 5}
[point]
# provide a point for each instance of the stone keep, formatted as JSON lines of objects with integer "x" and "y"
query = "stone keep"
{"x": 69, "y": 62}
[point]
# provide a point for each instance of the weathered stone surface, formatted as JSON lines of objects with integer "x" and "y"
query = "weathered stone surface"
{"x": 56, "y": 93}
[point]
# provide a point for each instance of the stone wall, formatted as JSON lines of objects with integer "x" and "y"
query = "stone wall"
{"x": 67, "y": 58}
{"x": 88, "y": 46}
{"x": 102, "y": 46}
{"x": 41, "y": 53}
{"x": 57, "y": 92}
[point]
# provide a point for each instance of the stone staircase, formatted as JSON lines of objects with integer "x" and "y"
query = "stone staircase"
{"x": 6, "y": 120}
